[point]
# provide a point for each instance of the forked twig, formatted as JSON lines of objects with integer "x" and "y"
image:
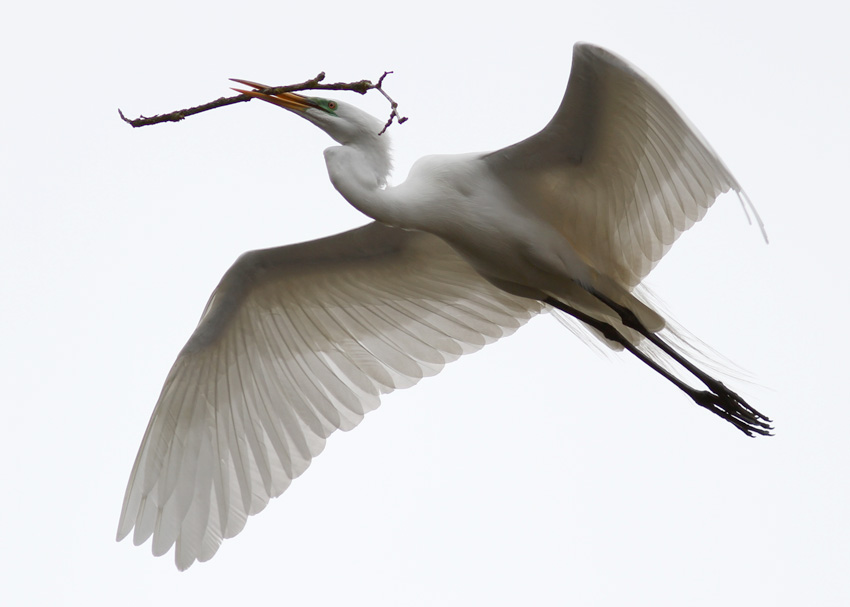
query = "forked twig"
{"x": 315, "y": 84}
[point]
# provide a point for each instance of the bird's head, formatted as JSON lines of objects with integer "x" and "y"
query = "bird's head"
{"x": 345, "y": 123}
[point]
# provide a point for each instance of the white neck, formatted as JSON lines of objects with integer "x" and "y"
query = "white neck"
{"x": 360, "y": 174}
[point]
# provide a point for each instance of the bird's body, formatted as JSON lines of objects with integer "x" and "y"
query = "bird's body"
{"x": 301, "y": 340}
{"x": 508, "y": 237}
{"x": 461, "y": 200}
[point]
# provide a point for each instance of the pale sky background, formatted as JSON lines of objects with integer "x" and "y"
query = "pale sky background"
{"x": 534, "y": 472}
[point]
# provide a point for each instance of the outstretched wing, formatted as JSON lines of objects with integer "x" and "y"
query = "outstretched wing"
{"x": 294, "y": 343}
{"x": 619, "y": 169}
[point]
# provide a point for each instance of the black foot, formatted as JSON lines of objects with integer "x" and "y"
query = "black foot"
{"x": 734, "y": 409}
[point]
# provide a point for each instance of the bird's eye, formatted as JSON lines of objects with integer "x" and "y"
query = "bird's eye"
{"x": 331, "y": 105}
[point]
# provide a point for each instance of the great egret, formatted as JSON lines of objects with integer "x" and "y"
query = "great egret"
{"x": 300, "y": 340}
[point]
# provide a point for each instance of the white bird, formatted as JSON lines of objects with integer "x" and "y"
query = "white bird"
{"x": 298, "y": 341}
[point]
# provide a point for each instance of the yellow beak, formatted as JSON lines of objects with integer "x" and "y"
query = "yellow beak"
{"x": 289, "y": 101}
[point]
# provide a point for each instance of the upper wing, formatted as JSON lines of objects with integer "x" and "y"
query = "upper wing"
{"x": 619, "y": 169}
{"x": 294, "y": 343}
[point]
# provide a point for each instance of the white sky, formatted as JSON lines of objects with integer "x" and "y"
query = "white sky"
{"x": 533, "y": 472}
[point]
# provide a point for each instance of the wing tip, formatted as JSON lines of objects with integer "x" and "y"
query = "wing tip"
{"x": 748, "y": 207}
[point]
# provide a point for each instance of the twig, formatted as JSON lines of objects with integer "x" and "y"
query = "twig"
{"x": 393, "y": 105}
{"x": 361, "y": 86}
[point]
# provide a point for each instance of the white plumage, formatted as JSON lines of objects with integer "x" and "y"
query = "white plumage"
{"x": 301, "y": 340}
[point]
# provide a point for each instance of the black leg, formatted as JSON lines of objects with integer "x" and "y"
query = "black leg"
{"x": 718, "y": 399}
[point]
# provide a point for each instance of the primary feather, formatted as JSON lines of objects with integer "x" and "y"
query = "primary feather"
{"x": 295, "y": 343}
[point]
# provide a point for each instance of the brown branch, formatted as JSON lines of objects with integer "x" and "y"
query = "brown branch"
{"x": 361, "y": 86}
{"x": 393, "y": 104}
